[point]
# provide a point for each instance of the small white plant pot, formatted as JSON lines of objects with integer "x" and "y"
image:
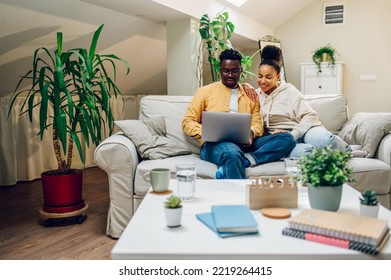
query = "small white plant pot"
{"x": 369, "y": 210}
{"x": 173, "y": 216}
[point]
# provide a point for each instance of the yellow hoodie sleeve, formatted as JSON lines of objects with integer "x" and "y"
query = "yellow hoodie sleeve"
{"x": 191, "y": 123}
{"x": 256, "y": 121}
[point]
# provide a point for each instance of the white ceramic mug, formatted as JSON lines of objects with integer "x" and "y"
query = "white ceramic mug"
{"x": 159, "y": 178}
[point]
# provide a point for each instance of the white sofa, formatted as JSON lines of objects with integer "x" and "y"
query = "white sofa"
{"x": 117, "y": 155}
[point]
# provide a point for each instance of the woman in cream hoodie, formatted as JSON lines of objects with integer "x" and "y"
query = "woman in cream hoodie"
{"x": 283, "y": 108}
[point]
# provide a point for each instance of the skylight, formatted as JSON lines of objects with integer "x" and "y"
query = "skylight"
{"x": 237, "y": 3}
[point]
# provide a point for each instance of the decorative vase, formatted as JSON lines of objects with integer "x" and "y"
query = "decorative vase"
{"x": 173, "y": 216}
{"x": 325, "y": 197}
{"x": 62, "y": 193}
{"x": 369, "y": 210}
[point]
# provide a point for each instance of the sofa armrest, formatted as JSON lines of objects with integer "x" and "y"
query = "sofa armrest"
{"x": 117, "y": 153}
{"x": 118, "y": 157}
{"x": 384, "y": 150}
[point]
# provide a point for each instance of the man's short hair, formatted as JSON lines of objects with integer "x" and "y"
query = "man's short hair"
{"x": 231, "y": 54}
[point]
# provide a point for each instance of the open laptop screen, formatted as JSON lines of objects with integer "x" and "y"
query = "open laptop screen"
{"x": 226, "y": 127}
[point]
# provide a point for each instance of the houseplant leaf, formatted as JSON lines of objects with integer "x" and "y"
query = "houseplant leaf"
{"x": 76, "y": 86}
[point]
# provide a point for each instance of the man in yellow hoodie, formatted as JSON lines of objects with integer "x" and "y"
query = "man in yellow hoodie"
{"x": 228, "y": 95}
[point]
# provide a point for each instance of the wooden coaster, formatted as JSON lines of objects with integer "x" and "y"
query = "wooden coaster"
{"x": 276, "y": 213}
{"x": 161, "y": 193}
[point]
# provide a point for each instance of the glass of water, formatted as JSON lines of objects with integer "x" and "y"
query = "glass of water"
{"x": 292, "y": 169}
{"x": 186, "y": 177}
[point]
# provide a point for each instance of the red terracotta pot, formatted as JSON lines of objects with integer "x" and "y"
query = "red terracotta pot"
{"x": 62, "y": 193}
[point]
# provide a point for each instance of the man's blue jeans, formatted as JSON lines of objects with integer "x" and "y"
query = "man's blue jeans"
{"x": 231, "y": 157}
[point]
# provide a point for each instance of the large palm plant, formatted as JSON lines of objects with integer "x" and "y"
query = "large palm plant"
{"x": 71, "y": 91}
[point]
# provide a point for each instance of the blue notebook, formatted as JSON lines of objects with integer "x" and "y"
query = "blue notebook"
{"x": 233, "y": 218}
{"x": 207, "y": 219}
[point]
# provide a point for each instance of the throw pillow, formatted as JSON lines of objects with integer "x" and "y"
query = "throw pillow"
{"x": 367, "y": 130}
{"x": 150, "y": 139}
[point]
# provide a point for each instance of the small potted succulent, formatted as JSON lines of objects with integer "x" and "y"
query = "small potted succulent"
{"x": 324, "y": 54}
{"x": 173, "y": 211}
{"x": 324, "y": 171}
{"x": 369, "y": 205}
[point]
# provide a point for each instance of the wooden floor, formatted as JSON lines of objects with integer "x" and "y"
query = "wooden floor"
{"x": 23, "y": 238}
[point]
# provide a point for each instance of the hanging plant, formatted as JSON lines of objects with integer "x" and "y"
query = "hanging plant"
{"x": 324, "y": 54}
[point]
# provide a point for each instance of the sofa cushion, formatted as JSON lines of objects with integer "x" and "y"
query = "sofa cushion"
{"x": 269, "y": 169}
{"x": 173, "y": 108}
{"x": 366, "y": 129}
{"x": 370, "y": 173}
{"x": 332, "y": 110}
{"x": 150, "y": 139}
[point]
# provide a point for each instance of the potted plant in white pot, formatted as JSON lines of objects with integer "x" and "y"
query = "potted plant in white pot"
{"x": 325, "y": 171}
{"x": 71, "y": 91}
{"x": 173, "y": 211}
{"x": 369, "y": 204}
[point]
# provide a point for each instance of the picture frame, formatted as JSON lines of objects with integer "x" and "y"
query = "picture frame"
{"x": 270, "y": 40}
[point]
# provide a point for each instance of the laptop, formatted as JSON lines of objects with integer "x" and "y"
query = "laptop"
{"x": 226, "y": 127}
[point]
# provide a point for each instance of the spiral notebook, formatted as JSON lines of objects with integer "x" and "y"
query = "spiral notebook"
{"x": 342, "y": 243}
{"x": 354, "y": 228}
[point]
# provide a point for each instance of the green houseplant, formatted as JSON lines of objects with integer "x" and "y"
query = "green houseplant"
{"x": 369, "y": 198}
{"x": 216, "y": 34}
{"x": 173, "y": 201}
{"x": 326, "y": 53}
{"x": 70, "y": 91}
{"x": 325, "y": 171}
{"x": 369, "y": 204}
{"x": 173, "y": 211}
{"x": 325, "y": 167}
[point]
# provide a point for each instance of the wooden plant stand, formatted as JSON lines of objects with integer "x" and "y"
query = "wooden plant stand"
{"x": 50, "y": 219}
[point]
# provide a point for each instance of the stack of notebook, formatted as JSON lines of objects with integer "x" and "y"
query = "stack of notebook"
{"x": 229, "y": 220}
{"x": 364, "y": 234}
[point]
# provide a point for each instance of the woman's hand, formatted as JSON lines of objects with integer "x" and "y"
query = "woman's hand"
{"x": 250, "y": 91}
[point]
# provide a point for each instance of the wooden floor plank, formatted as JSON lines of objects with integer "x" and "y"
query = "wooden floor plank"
{"x": 23, "y": 238}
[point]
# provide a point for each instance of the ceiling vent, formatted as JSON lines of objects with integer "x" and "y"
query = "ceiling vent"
{"x": 333, "y": 14}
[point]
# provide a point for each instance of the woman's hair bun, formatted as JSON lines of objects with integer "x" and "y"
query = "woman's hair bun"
{"x": 271, "y": 52}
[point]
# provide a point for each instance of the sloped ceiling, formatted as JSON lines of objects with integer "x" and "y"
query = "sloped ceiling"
{"x": 271, "y": 14}
{"x": 134, "y": 29}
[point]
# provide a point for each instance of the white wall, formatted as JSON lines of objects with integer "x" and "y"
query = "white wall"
{"x": 183, "y": 42}
{"x": 364, "y": 44}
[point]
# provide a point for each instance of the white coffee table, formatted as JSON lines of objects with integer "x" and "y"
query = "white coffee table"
{"x": 148, "y": 237}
